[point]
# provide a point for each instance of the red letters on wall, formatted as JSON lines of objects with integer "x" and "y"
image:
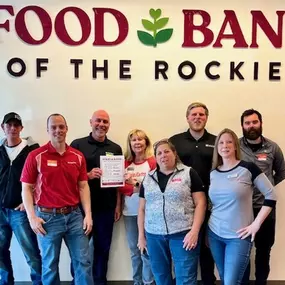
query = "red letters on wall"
{"x": 210, "y": 37}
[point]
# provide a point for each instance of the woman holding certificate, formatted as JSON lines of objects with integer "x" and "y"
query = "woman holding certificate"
{"x": 171, "y": 212}
{"x": 139, "y": 161}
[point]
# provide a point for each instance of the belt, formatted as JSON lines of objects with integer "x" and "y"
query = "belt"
{"x": 63, "y": 210}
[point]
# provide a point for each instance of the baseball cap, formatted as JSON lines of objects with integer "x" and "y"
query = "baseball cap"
{"x": 12, "y": 116}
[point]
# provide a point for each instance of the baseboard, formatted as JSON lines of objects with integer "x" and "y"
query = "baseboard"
{"x": 131, "y": 283}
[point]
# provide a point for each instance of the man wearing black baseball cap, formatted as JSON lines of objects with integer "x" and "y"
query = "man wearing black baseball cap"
{"x": 13, "y": 218}
{"x": 12, "y": 116}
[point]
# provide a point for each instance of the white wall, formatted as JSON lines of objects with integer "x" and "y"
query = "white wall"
{"x": 157, "y": 106}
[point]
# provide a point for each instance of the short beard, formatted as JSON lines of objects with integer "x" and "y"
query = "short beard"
{"x": 199, "y": 129}
{"x": 252, "y": 134}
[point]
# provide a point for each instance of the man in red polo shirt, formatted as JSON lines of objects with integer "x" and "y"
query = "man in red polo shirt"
{"x": 54, "y": 178}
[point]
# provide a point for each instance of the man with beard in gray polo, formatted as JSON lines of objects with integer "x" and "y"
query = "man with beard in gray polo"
{"x": 268, "y": 156}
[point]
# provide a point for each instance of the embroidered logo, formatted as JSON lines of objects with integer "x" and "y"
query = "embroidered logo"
{"x": 209, "y": 145}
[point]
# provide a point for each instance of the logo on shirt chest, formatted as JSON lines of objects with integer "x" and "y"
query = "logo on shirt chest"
{"x": 176, "y": 180}
{"x": 52, "y": 163}
{"x": 261, "y": 156}
{"x": 209, "y": 145}
{"x": 231, "y": 176}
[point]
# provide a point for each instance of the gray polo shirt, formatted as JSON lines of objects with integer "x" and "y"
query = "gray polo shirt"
{"x": 269, "y": 158}
{"x": 231, "y": 196}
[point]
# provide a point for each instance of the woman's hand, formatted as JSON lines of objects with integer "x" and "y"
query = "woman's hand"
{"x": 142, "y": 245}
{"x": 191, "y": 240}
{"x": 250, "y": 230}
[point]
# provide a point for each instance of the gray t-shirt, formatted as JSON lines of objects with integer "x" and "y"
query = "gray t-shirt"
{"x": 231, "y": 196}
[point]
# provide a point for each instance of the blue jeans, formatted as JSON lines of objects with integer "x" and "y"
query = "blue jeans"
{"x": 142, "y": 273}
{"x": 69, "y": 228}
{"x": 17, "y": 222}
{"x": 264, "y": 240}
{"x": 231, "y": 256}
{"x": 163, "y": 249}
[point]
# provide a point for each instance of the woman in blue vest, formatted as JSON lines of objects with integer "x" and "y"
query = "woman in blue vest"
{"x": 171, "y": 212}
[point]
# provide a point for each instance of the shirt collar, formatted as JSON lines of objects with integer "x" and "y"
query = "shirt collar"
{"x": 263, "y": 140}
{"x": 204, "y": 137}
{"x": 51, "y": 148}
{"x": 91, "y": 140}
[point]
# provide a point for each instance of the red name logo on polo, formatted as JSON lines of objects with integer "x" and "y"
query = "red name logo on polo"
{"x": 176, "y": 180}
{"x": 261, "y": 156}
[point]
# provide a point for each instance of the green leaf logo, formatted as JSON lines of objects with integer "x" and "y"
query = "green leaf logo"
{"x": 158, "y": 35}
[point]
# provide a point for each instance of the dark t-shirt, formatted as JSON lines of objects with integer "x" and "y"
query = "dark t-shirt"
{"x": 196, "y": 182}
{"x": 255, "y": 147}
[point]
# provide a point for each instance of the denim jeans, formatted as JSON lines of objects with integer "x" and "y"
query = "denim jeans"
{"x": 142, "y": 273}
{"x": 163, "y": 249}
{"x": 17, "y": 222}
{"x": 231, "y": 256}
{"x": 91, "y": 249}
{"x": 263, "y": 242}
{"x": 69, "y": 228}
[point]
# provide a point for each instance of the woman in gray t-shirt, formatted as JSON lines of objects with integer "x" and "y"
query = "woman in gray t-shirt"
{"x": 232, "y": 227}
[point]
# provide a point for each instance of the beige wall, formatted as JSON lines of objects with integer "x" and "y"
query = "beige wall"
{"x": 157, "y": 106}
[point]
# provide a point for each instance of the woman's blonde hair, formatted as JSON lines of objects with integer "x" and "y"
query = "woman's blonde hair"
{"x": 129, "y": 154}
{"x": 217, "y": 159}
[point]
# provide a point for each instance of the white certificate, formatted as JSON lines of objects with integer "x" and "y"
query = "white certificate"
{"x": 113, "y": 171}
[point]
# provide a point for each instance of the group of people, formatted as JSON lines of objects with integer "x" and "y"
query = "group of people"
{"x": 193, "y": 197}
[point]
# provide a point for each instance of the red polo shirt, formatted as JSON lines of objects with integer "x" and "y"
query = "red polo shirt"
{"x": 55, "y": 176}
